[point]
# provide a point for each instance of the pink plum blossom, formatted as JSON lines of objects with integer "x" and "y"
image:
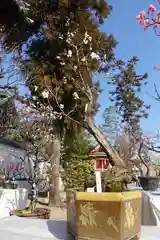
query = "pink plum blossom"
{"x": 151, "y": 8}
{"x": 150, "y": 18}
{"x": 155, "y": 68}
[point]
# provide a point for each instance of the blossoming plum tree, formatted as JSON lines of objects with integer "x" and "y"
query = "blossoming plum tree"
{"x": 150, "y": 18}
{"x": 35, "y": 133}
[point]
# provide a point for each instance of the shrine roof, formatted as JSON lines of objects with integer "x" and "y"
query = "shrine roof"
{"x": 97, "y": 149}
{"x": 98, "y": 154}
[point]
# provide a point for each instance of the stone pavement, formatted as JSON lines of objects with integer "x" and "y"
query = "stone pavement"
{"x": 58, "y": 213}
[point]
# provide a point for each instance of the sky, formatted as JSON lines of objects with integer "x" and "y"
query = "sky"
{"x": 134, "y": 41}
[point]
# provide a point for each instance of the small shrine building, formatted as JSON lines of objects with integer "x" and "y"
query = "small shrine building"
{"x": 101, "y": 161}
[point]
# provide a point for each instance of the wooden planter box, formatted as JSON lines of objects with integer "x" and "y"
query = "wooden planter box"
{"x": 109, "y": 216}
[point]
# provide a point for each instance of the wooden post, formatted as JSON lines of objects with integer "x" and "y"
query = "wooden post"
{"x": 98, "y": 181}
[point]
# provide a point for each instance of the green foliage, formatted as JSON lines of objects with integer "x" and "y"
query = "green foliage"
{"x": 77, "y": 164}
{"x": 127, "y": 86}
{"x": 116, "y": 179}
{"x": 112, "y": 126}
{"x": 90, "y": 139}
{"x": 11, "y": 21}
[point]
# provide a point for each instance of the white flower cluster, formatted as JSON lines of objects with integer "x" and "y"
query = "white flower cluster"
{"x": 75, "y": 96}
{"x": 43, "y": 170}
{"x": 69, "y": 54}
{"x": 60, "y": 36}
{"x": 83, "y": 59}
{"x": 94, "y": 55}
{"x": 43, "y": 112}
{"x": 69, "y": 37}
{"x": 67, "y": 22}
{"x": 45, "y": 93}
{"x": 64, "y": 80}
{"x": 87, "y": 38}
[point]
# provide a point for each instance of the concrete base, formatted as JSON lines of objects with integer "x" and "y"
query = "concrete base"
{"x": 15, "y": 228}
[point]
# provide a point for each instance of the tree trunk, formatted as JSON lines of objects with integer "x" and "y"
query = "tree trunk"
{"x": 54, "y": 193}
{"x": 111, "y": 153}
{"x": 52, "y": 188}
{"x": 143, "y": 161}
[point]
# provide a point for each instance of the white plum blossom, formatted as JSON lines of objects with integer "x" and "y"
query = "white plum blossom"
{"x": 87, "y": 37}
{"x": 69, "y": 53}
{"x": 67, "y": 23}
{"x": 35, "y": 88}
{"x": 90, "y": 38}
{"x": 61, "y": 106}
{"x": 70, "y": 34}
{"x": 45, "y": 94}
{"x": 94, "y": 55}
{"x": 58, "y": 57}
{"x": 60, "y": 36}
{"x": 68, "y": 40}
{"x": 86, "y": 34}
{"x": 85, "y": 41}
{"x": 83, "y": 59}
{"x": 75, "y": 95}
{"x": 75, "y": 68}
{"x": 34, "y": 98}
{"x": 65, "y": 80}
{"x": 105, "y": 56}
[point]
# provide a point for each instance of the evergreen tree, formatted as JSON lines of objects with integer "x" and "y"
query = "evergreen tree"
{"x": 13, "y": 22}
{"x": 20, "y": 18}
{"x": 77, "y": 164}
{"x": 64, "y": 49}
{"x": 125, "y": 94}
{"x": 112, "y": 127}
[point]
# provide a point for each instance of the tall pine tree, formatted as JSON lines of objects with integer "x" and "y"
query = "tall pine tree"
{"x": 64, "y": 51}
